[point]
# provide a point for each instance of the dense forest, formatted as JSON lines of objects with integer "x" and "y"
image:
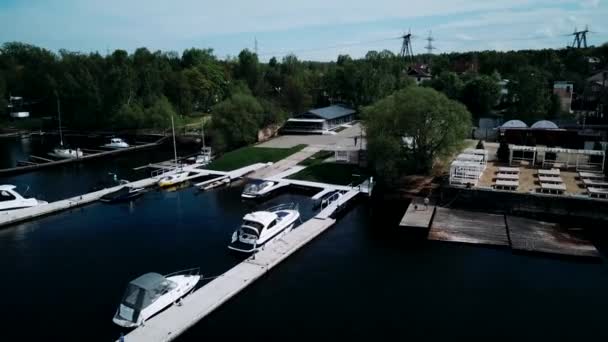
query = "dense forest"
{"x": 144, "y": 88}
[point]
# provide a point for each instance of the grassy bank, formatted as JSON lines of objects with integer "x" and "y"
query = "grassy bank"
{"x": 333, "y": 173}
{"x": 251, "y": 155}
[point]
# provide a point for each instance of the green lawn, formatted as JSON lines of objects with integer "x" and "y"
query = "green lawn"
{"x": 333, "y": 173}
{"x": 250, "y": 155}
{"x": 316, "y": 158}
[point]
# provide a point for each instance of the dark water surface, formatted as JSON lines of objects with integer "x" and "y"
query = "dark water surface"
{"x": 62, "y": 276}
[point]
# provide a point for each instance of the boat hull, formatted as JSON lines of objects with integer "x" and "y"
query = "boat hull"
{"x": 238, "y": 245}
{"x": 186, "y": 283}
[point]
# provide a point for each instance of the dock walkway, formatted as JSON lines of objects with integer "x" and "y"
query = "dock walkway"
{"x": 19, "y": 215}
{"x": 174, "y": 321}
{"x": 418, "y": 215}
{"x": 171, "y": 323}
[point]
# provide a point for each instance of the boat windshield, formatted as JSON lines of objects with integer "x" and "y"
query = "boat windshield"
{"x": 6, "y": 196}
{"x": 252, "y": 225}
{"x": 146, "y": 290}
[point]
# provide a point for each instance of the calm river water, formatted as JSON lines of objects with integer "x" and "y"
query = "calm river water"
{"x": 63, "y": 275}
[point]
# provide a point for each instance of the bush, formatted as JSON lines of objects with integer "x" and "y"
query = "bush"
{"x": 503, "y": 152}
{"x": 480, "y": 145}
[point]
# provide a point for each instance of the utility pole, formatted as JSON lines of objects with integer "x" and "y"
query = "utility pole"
{"x": 255, "y": 45}
{"x": 429, "y": 47}
{"x": 406, "y": 48}
{"x": 580, "y": 38}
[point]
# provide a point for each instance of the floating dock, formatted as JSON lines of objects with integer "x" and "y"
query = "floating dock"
{"x": 469, "y": 227}
{"x": 174, "y": 321}
{"x": 20, "y": 215}
{"x": 31, "y": 166}
{"x": 543, "y": 237}
{"x": 418, "y": 215}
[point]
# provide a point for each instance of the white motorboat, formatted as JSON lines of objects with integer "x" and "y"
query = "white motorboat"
{"x": 116, "y": 143}
{"x": 11, "y": 199}
{"x": 66, "y": 153}
{"x": 258, "y": 189}
{"x": 151, "y": 293}
{"x": 173, "y": 178}
{"x": 261, "y": 227}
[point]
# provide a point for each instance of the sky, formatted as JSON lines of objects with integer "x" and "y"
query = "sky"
{"x": 312, "y": 29}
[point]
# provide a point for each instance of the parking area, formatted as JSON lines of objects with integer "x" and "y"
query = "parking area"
{"x": 349, "y": 138}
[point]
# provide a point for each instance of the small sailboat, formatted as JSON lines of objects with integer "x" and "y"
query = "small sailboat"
{"x": 261, "y": 227}
{"x": 150, "y": 293}
{"x": 205, "y": 156}
{"x": 12, "y": 200}
{"x": 116, "y": 143}
{"x": 177, "y": 175}
{"x": 62, "y": 152}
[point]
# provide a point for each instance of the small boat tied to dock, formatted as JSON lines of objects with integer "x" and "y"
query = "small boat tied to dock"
{"x": 151, "y": 293}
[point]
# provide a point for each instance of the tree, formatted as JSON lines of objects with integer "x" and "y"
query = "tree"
{"x": 448, "y": 83}
{"x": 159, "y": 114}
{"x": 248, "y": 69}
{"x": 481, "y": 94}
{"x": 410, "y": 128}
{"x": 503, "y": 152}
{"x": 528, "y": 94}
{"x": 238, "y": 120}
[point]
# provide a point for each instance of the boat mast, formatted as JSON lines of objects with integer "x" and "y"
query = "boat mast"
{"x": 174, "y": 146}
{"x": 203, "y": 133}
{"x": 59, "y": 115}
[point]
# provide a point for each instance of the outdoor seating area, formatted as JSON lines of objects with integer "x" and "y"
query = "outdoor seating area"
{"x": 507, "y": 178}
{"x": 596, "y": 184}
{"x": 555, "y": 157}
{"x": 551, "y": 182}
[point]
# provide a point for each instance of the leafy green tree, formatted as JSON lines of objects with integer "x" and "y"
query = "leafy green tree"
{"x": 529, "y": 94}
{"x": 448, "y": 83}
{"x": 129, "y": 116}
{"x": 407, "y": 130}
{"x": 159, "y": 114}
{"x": 237, "y": 119}
{"x": 481, "y": 94}
{"x": 248, "y": 68}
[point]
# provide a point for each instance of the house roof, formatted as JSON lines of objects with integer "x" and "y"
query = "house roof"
{"x": 514, "y": 124}
{"x": 544, "y": 124}
{"x": 598, "y": 77}
{"x": 331, "y": 112}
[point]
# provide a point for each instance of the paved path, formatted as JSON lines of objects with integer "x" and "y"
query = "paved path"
{"x": 285, "y": 164}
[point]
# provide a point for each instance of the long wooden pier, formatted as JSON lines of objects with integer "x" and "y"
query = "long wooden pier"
{"x": 171, "y": 323}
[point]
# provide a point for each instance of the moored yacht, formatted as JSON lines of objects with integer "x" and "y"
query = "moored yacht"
{"x": 66, "y": 153}
{"x": 173, "y": 178}
{"x": 12, "y": 200}
{"x": 116, "y": 143}
{"x": 151, "y": 293}
{"x": 261, "y": 227}
{"x": 258, "y": 189}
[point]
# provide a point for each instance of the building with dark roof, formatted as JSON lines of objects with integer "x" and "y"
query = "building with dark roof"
{"x": 320, "y": 120}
